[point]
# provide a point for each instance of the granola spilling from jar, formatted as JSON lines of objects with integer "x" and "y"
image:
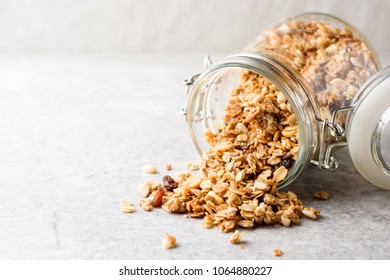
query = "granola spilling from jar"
{"x": 258, "y": 142}
{"x": 333, "y": 60}
{"x": 248, "y": 156}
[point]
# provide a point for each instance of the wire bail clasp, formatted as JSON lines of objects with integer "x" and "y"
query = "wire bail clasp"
{"x": 189, "y": 82}
{"x": 332, "y": 136}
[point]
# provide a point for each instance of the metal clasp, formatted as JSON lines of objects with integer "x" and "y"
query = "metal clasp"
{"x": 327, "y": 144}
{"x": 189, "y": 82}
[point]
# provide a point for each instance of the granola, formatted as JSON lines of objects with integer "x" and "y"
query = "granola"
{"x": 334, "y": 61}
{"x": 147, "y": 205}
{"x": 127, "y": 206}
{"x": 149, "y": 168}
{"x": 258, "y": 142}
{"x": 250, "y": 154}
{"x": 236, "y": 237}
{"x": 277, "y": 252}
{"x": 322, "y": 195}
{"x": 169, "y": 241}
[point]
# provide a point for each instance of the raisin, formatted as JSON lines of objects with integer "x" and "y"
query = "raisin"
{"x": 158, "y": 199}
{"x": 168, "y": 183}
{"x": 288, "y": 163}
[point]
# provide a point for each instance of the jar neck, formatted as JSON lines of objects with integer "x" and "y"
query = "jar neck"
{"x": 279, "y": 72}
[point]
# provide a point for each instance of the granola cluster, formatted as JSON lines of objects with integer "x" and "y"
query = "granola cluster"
{"x": 258, "y": 144}
{"x": 334, "y": 61}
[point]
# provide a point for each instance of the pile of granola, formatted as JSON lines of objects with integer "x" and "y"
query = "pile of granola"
{"x": 254, "y": 150}
{"x": 258, "y": 142}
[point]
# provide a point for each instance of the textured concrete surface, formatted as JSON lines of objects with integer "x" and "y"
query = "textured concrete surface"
{"x": 75, "y": 132}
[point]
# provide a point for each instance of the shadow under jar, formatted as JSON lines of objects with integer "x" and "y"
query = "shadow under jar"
{"x": 295, "y": 93}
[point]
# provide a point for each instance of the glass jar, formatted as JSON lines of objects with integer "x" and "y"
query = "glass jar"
{"x": 319, "y": 67}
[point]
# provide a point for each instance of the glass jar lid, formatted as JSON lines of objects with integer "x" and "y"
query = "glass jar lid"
{"x": 368, "y": 130}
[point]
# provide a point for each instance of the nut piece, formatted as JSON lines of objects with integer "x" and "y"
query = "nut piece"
{"x": 169, "y": 241}
{"x": 146, "y": 205}
{"x": 127, "y": 206}
{"x": 168, "y": 166}
{"x": 322, "y": 195}
{"x": 236, "y": 237}
{"x": 150, "y": 169}
{"x": 277, "y": 252}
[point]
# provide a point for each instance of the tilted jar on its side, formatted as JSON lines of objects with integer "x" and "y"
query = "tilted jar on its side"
{"x": 320, "y": 71}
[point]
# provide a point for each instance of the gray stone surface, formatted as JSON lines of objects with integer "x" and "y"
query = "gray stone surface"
{"x": 75, "y": 132}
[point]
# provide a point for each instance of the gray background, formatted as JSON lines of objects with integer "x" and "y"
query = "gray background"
{"x": 91, "y": 91}
{"x": 166, "y": 25}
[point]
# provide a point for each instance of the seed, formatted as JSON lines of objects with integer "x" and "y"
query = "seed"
{"x": 150, "y": 169}
{"x": 168, "y": 166}
{"x": 168, "y": 183}
{"x": 169, "y": 241}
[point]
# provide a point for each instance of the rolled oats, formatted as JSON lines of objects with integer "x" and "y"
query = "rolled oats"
{"x": 146, "y": 187}
{"x": 208, "y": 222}
{"x": 146, "y": 205}
{"x": 310, "y": 212}
{"x": 127, "y": 206}
{"x": 236, "y": 237}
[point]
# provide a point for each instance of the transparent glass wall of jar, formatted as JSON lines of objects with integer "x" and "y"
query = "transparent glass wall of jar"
{"x": 334, "y": 57}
